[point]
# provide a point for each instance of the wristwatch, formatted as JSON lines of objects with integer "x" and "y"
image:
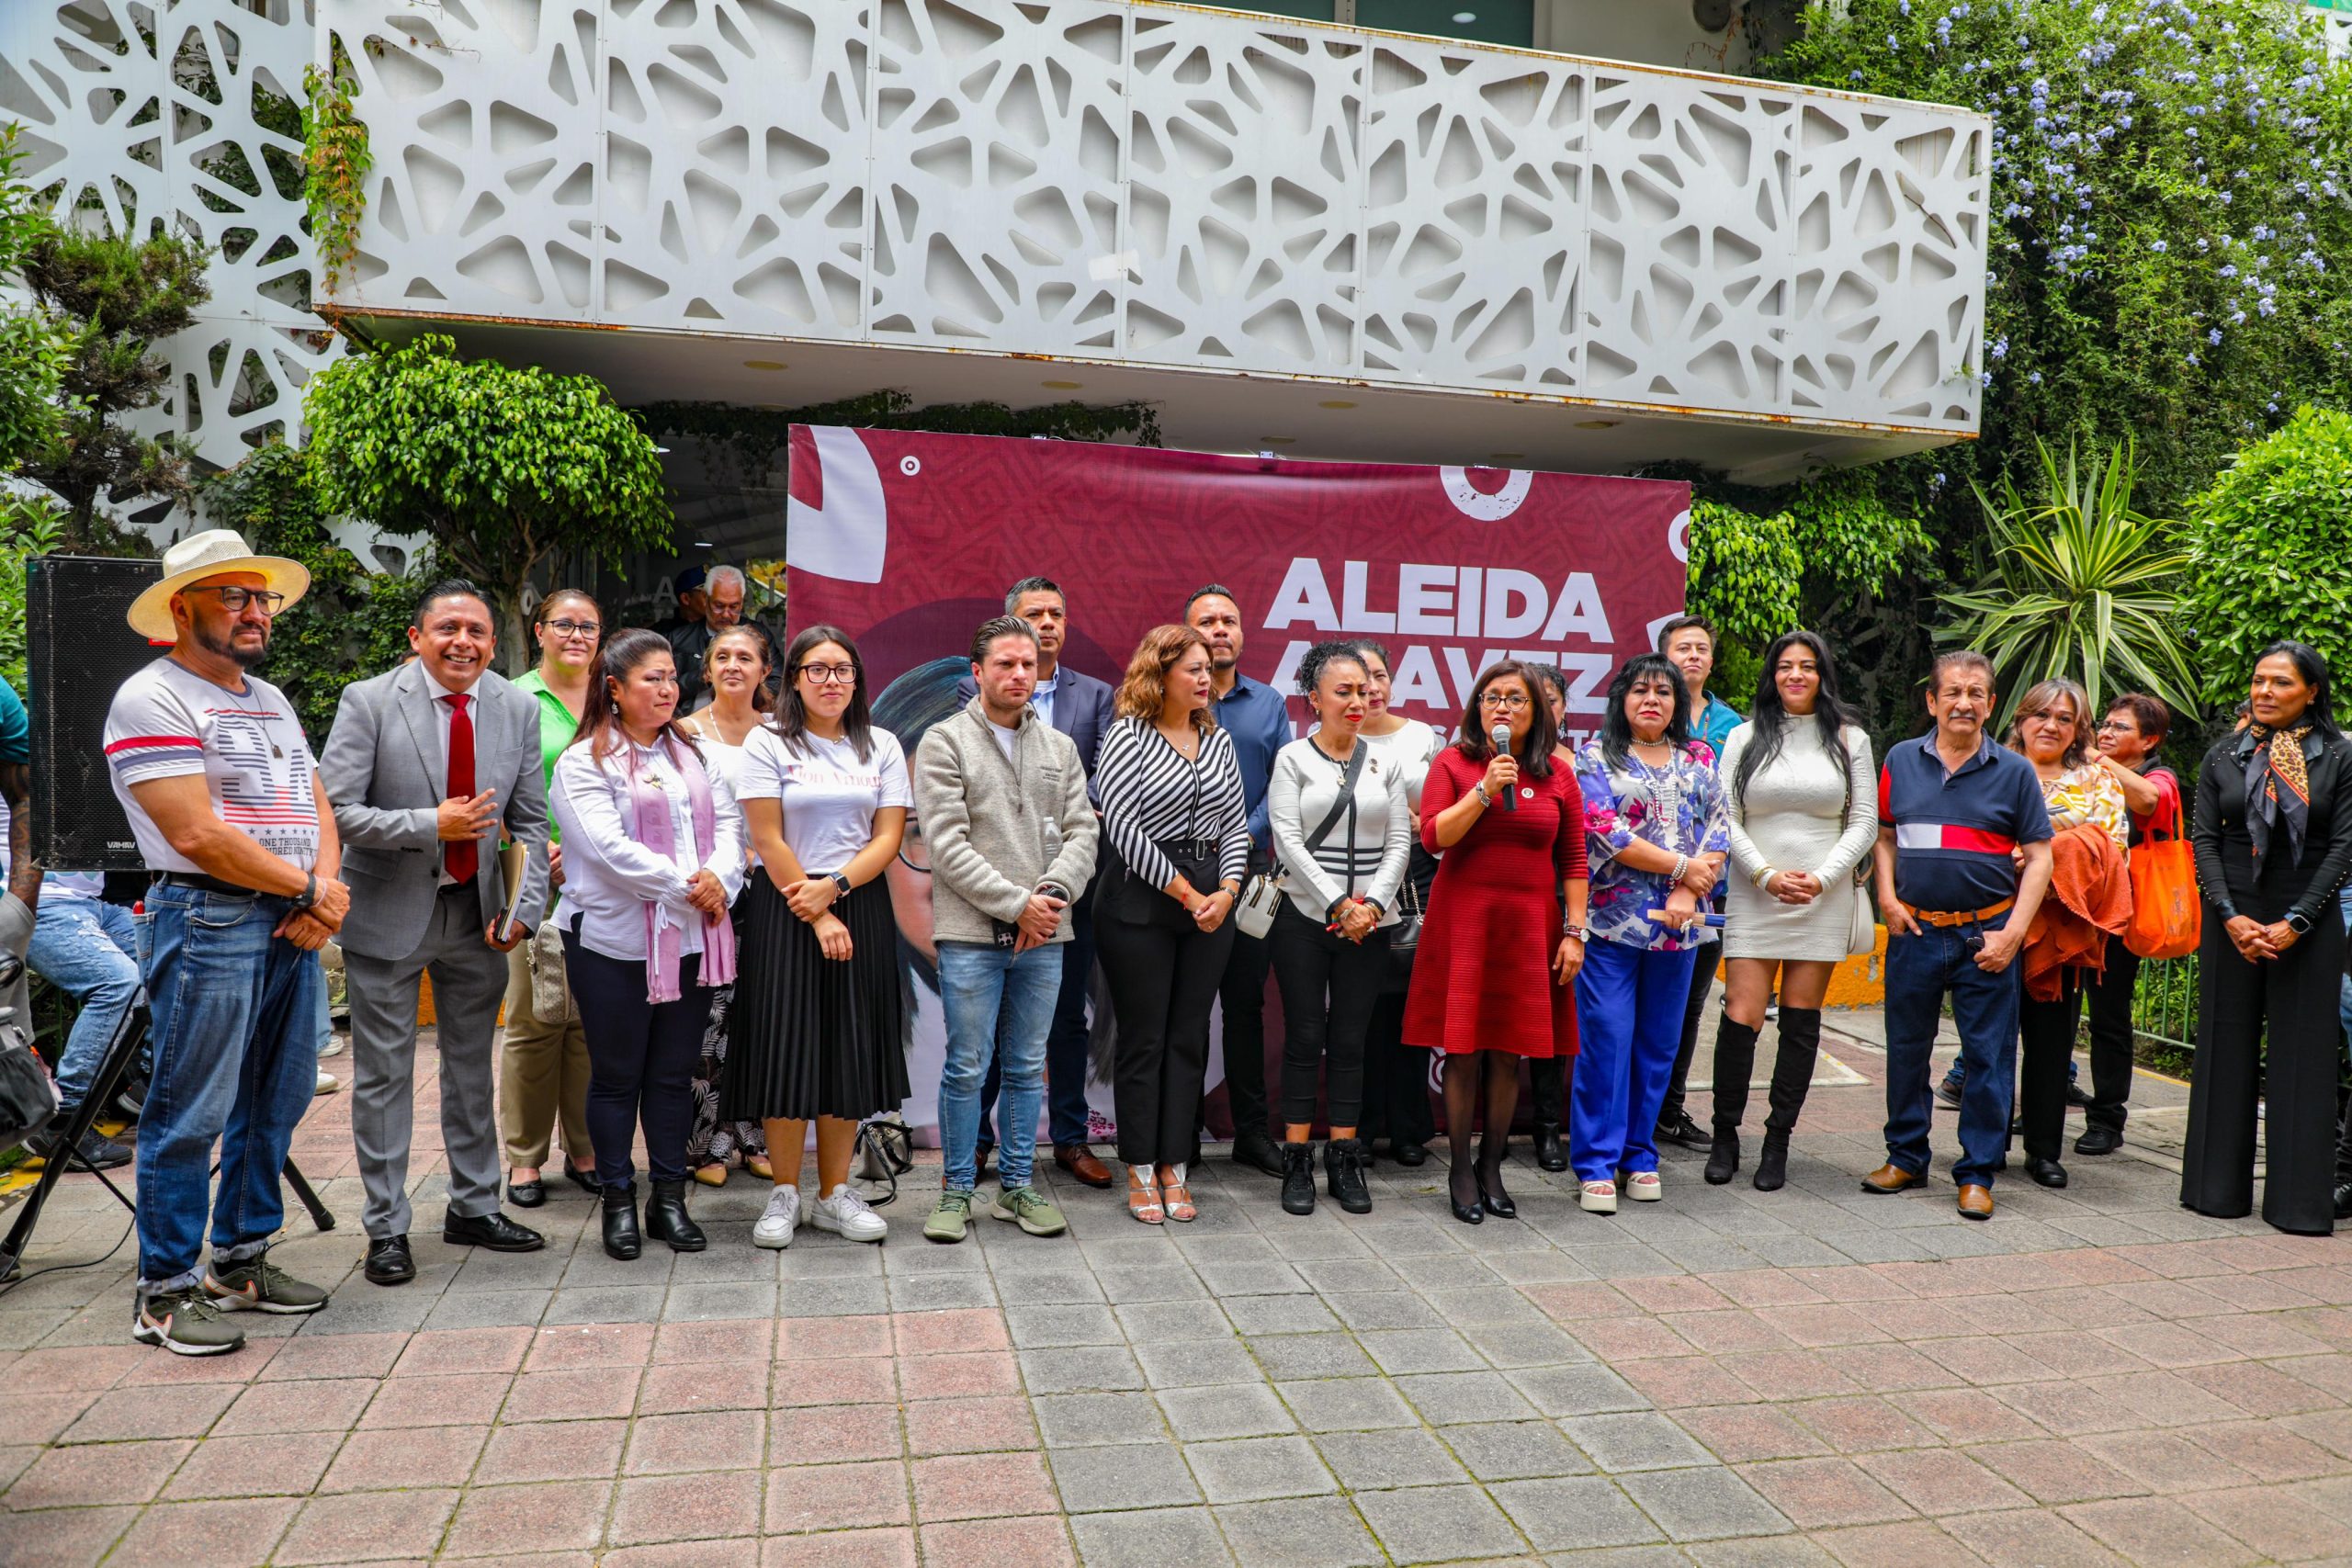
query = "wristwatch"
{"x": 1570, "y": 928}
{"x": 841, "y": 883}
{"x": 2299, "y": 922}
{"x": 1481, "y": 791}
{"x": 309, "y": 897}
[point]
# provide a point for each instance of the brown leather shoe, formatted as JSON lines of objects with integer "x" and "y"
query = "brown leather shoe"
{"x": 1975, "y": 1202}
{"x": 1079, "y": 1161}
{"x": 1891, "y": 1179}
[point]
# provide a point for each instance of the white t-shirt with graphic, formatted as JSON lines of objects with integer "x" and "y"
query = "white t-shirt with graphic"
{"x": 167, "y": 721}
{"x": 830, "y": 797}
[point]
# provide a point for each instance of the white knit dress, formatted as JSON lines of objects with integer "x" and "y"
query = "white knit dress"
{"x": 1788, "y": 819}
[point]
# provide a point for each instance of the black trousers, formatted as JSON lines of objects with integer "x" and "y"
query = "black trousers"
{"x": 641, "y": 1060}
{"x": 2294, "y": 998}
{"x": 1329, "y": 986}
{"x": 1547, "y": 1085}
{"x": 1694, "y": 1012}
{"x": 1395, "y": 1076}
{"x": 1243, "y": 990}
{"x": 1163, "y": 983}
{"x": 2110, "y": 1007}
{"x": 2045, "y": 1049}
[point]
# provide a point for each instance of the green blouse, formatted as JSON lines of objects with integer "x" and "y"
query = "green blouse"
{"x": 557, "y": 727}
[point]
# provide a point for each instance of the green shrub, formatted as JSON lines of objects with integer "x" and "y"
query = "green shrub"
{"x": 1745, "y": 573}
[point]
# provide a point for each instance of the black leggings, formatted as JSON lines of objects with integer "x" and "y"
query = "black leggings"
{"x": 1329, "y": 986}
{"x": 641, "y": 1060}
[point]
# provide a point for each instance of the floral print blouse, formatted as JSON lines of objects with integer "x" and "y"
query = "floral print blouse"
{"x": 2087, "y": 794}
{"x": 1678, "y": 807}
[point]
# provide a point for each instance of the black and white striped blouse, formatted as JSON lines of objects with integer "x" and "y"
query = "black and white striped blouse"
{"x": 1150, "y": 790}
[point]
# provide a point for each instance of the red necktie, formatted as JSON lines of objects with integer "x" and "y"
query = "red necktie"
{"x": 463, "y": 857}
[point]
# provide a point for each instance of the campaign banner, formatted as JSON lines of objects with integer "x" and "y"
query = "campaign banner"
{"x": 906, "y": 541}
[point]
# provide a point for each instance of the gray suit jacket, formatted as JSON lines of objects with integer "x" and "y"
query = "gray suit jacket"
{"x": 384, "y": 769}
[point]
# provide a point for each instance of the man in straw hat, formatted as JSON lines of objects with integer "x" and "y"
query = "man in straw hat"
{"x": 224, "y": 796}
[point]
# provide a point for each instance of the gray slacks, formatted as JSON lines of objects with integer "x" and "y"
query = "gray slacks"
{"x": 469, "y": 981}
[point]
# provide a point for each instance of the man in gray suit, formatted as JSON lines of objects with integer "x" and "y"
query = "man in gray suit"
{"x": 431, "y": 766}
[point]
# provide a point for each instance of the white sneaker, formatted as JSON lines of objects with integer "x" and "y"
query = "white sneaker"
{"x": 776, "y": 1226}
{"x": 332, "y": 1046}
{"x": 1599, "y": 1197}
{"x": 328, "y": 1083}
{"x": 1643, "y": 1187}
{"x": 848, "y": 1215}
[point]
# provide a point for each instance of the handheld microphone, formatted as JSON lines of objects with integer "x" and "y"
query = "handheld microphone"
{"x": 1500, "y": 735}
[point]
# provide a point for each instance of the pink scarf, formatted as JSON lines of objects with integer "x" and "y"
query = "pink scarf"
{"x": 661, "y": 938}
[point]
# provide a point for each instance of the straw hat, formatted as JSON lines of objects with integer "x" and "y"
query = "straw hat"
{"x": 209, "y": 554}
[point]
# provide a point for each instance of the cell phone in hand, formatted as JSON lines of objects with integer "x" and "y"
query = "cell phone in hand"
{"x": 1007, "y": 934}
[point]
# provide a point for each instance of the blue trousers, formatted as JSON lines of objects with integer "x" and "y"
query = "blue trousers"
{"x": 1919, "y": 970}
{"x": 998, "y": 1003}
{"x": 88, "y": 949}
{"x": 1629, "y": 1026}
{"x": 1066, "y": 1044}
{"x": 236, "y": 1028}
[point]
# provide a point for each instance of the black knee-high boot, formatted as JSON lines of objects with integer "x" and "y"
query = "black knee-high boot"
{"x": 1735, "y": 1064}
{"x": 1792, "y": 1076}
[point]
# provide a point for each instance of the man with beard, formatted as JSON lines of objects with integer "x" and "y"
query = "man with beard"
{"x": 223, "y": 796}
{"x": 1257, "y": 718}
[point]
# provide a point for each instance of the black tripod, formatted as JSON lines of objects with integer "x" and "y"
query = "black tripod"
{"x": 66, "y": 1149}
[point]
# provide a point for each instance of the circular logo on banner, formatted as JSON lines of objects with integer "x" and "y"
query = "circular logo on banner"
{"x": 1471, "y": 501}
{"x": 911, "y": 466}
{"x": 1677, "y": 536}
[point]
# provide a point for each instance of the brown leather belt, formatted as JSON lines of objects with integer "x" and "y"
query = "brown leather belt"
{"x": 1948, "y": 917}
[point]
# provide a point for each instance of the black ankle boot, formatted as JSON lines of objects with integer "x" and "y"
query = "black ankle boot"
{"x": 1723, "y": 1160}
{"x": 620, "y": 1222}
{"x": 1298, "y": 1178}
{"x": 1549, "y": 1154}
{"x": 666, "y": 1218}
{"x": 1343, "y": 1170}
{"x": 1772, "y": 1162}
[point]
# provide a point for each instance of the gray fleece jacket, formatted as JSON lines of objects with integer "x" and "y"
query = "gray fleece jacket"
{"x": 998, "y": 832}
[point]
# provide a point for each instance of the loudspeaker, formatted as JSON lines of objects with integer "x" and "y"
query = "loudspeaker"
{"x": 78, "y": 650}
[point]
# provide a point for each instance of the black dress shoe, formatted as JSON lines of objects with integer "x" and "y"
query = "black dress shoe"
{"x": 2344, "y": 1201}
{"x": 491, "y": 1231}
{"x": 2098, "y": 1141}
{"x": 1259, "y": 1152}
{"x": 1679, "y": 1129}
{"x": 1407, "y": 1153}
{"x": 527, "y": 1194}
{"x": 1549, "y": 1154}
{"x": 2074, "y": 1095}
{"x": 1496, "y": 1201}
{"x": 388, "y": 1262}
{"x": 2048, "y": 1172}
{"x": 583, "y": 1180}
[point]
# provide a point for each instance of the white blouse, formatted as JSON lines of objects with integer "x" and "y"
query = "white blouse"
{"x": 609, "y": 877}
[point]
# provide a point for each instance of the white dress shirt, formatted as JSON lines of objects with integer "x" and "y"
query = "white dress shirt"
{"x": 1041, "y": 696}
{"x": 446, "y": 715}
{"x": 609, "y": 877}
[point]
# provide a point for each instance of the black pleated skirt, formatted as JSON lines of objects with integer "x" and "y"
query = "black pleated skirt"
{"x": 808, "y": 1035}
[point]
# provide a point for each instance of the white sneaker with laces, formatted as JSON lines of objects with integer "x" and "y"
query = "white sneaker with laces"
{"x": 328, "y": 1083}
{"x": 1599, "y": 1197}
{"x": 776, "y": 1226}
{"x": 1644, "y": 1186}
{"x": 848, "y": 1215}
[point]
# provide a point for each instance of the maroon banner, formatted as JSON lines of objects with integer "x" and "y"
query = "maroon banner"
{"x": 908, "y": 541}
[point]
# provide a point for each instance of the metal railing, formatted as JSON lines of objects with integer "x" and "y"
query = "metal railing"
{"x": 2164, "y": 1007}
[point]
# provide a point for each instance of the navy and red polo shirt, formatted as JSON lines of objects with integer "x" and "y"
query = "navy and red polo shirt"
{"x": 1954, "y": 831}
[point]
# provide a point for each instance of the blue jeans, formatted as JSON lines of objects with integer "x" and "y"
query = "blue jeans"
{"x": 1066, "y": 1044}
{"x": 236, "y": 1064}
{"x": 89, "y": 950}
{"x": 1630, "y": 1004}
{"x": 1919, "y": 970}
{"x": 976, "y": 984}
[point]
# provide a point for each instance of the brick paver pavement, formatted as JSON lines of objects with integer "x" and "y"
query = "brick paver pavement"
{"x": 1724, "y": 1377}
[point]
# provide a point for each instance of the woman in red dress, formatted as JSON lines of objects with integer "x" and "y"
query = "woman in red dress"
{"x": 1491, "y": 984}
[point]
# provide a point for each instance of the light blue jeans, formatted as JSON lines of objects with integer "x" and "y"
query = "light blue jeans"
{"x": 236, "y": 1063}
{"x": 89, "y": 950}
{"x": 976, "y": 984}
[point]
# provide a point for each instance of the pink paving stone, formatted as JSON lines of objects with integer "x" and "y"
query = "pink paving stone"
{"x": 1042, "y": 1543}
{"x": 820, "y": 1338}
{"x": 853, "y": 1380}
{"x": 718, "y": 1505}
{"x": 728, "y": 1339}
{"x": 2331, "y": 1429}
{"x": 14, "y": 1459}
{"x": 1715, "y": 1332}
{"x": 977, "y": 1486}
{"x": 2256, "y": 1253}
{"x": 2274, "y": 1520}
{"x": 2004, "y": 1316}
{"x": 1861, "y": 1423}
{"x": 186, "y": 1411}
{"x": 970, "y": 1426}
{"x": 738, "y": 1553}
{"x": 2166, "y": 1463}
{"x": 1826, "y": 1323}
{"x": 1755, "y": 1287}
{"x": 2267, "y": 1449}
{"x": 553, "y": 1450}
{"x": 201, "y": 1535}
{"x": 2055, "y": 1471}
{"x": 1673, "y": 1292}
{"x": 41, "y": 1417}
{"x": 279, "y": 1464}
{"x": 2073, "y": 1354}
{"x": 826, "y": 1436}
{"x": 318, "y": 1404}
{"x": 1790, "y": 1374}
{"x": 2156, "y": 1530}
{"x": 2169, "y": 1300}
{"x": 2029, "y": 1537}
{"x": 837, "y": 1497}
{"x": 2068, "y": 1409}
{"x": 573, "y": 1395}
{"x": 413, "y": 1455}
{"x": 1820, "y": 1492}
{"x": 245, "y": 1365}
{"x": 2173, "y": 1260}
{"x": 67, "y": 1538}
{"x": 935, "y": 1333}
{"x": 1615, "y": 1339}
{"x": 1893, "y": 1369}
{"x": 1965, "y": 1416}
{"x": 687, "y": 1387}
{"x": 1914, "y": 1545}
{"x": 1739, "y": 1433}
{"x": 359, "y": 1525}
{"x": 2265, "y": 1334}
{"x": 1986, "y": 1361}
{"x": 591, "y": 1345}
{"x": 446, "y": 1350}
{"x": 1567, "y": 1302}
{"x": 2255, "y": 1292}
{"x": 1914, "y": 1320}
{"x": 545, "y": 1517}
{"x": 844, "y": 1548}
{"x": 335, "y": 1356}
{"x": 958, "y": 1376}
{"x": 466, "y": 1399}
{"x": 2163, "y": 1399}
{"x": 1941, "y": 1481}
{"x": 2075, "y": 1307}
{"x": 1673, "y": 1382}
{"x": 2172, "y": 1344}
{"x": 2097, "y": 1266}
{"x": 1847, "y": 1282}
{"x": 716, "y": 1440}
{"x": 96, "y": 1473}
{"x": 79, "y": 1368}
